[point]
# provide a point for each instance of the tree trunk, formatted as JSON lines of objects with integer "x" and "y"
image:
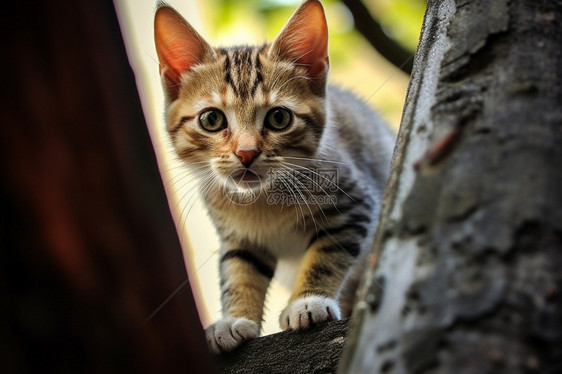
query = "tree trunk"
{"x": 468, "y": 250}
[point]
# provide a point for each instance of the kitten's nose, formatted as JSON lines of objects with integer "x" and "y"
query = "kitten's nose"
{"x": 247, "y": 156}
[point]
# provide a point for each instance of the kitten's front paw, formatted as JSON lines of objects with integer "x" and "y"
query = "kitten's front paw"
{"x": 229, "y": 333}
{"x": 303, "y": 313}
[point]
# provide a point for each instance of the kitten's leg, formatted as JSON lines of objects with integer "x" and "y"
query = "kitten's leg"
{"x": 314, "y": 297}
{"x": 329, "y": 258}
{"x": 350, "y": 285}
{"x": 245, "y": 277}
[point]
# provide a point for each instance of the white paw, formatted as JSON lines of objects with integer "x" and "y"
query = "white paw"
{"x": 305, "y": 312}
{"x": 229, "y": 333}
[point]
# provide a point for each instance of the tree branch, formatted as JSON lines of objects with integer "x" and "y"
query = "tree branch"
{"x": 373, "y": 32}
{"x": 316, "y": 350}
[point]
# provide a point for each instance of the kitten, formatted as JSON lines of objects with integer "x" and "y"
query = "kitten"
{"x": 288, "y": 166}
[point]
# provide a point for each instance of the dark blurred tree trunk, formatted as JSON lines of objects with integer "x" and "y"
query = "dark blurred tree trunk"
{"x": 88, "y": 246}
{"x": 468, "y": 252}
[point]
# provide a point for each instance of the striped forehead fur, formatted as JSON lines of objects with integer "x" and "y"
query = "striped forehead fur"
{"x": 248, "y": 68}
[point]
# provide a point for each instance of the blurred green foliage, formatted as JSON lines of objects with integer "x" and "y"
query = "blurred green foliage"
{"x": 401, "y": 19}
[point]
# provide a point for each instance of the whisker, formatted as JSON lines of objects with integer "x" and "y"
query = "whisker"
{"x": 307, "y": 177}
{"x": 323, "y": 190}
{"x": 204, "y": 184}
{"x": 323, "y": 177}
{"x": 397, "y": 69}
{"x": 284, "y": 181}
{"x": 181, "y": 164}
{"x": 194, "y": 186}
{"x": 316, "y": 160}
{"x": 303, "y": 197}
{"x": 173, "y": 181}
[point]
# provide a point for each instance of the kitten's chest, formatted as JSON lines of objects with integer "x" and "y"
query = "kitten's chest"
{"x": 279, "y": 229}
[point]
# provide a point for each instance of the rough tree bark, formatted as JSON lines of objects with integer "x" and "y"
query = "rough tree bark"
{"x": 469, "y": 246}
{"x": 313, "y": 351}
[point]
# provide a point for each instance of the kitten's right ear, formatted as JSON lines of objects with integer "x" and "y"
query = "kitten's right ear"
{"x": 178, "y": 45}
{"x": 304, "y": 41}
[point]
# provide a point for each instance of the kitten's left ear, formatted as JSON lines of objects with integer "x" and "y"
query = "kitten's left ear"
{"x": 178, "y": 45}
{"x": 304, "y": 39}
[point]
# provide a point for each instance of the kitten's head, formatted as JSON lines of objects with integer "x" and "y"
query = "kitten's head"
{"x": 244, "y": 113}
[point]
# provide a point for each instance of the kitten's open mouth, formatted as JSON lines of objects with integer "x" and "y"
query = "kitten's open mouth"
{"x": 243, "y": 187}
{"x": 246, "y": 178}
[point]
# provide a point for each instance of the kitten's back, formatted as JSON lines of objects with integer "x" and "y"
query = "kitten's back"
{"x": 367, "y": 139}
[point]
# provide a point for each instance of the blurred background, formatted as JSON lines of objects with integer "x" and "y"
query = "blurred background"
{"x": 355, "y": 65}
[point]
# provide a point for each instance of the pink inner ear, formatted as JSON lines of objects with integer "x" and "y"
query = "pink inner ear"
{"x": 178, "y": 45}
{"x": 304, "y": 39}
{"x": 313, "y": 53}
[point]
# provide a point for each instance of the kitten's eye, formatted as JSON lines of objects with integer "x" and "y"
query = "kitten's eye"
{"x": 278, "y": 118}
{"x": 212, "y": 120}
